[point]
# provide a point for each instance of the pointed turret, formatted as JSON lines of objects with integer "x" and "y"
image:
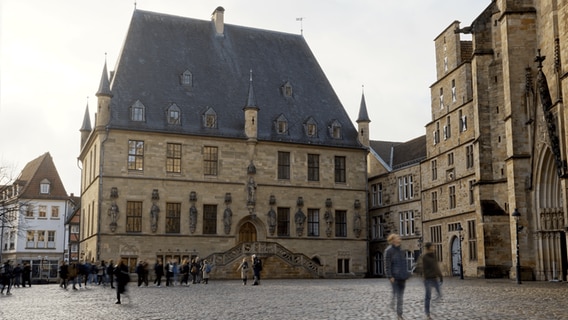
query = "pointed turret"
{"x": 251, "y": 113}
{"x": 86, "y": 127}
{"x": 363, "y": 122}
{"x": 104, "y": 94}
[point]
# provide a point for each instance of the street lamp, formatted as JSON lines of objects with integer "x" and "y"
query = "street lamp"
{"x": 460, "y": 229}
{"x": 516, "y": 214}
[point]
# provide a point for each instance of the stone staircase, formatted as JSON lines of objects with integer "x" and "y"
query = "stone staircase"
{"x": 277, "y": 262}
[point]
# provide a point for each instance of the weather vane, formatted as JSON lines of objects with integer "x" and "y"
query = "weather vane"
{"x": 301, "y": 19}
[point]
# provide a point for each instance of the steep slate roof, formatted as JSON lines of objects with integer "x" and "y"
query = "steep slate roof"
{"x": 160, "y": 47}
{"x": 400, "y": 154}
{"x": 34, "y": 173}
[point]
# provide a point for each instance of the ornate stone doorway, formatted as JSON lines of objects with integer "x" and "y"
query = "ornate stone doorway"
{"x": 247, "y": 233}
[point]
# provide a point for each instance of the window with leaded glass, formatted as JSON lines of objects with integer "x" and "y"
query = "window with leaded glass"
{"x": 472, "y": 240}
{"x": 210, "y": 161}
{"x": 313, "y": 167}
{"x": 340, "y": 173}
{"x": 283, "y": 165}
{"x": 135, "y": 155}
{"x": 173, "y": 157}
{"x": 173, "y": 214}
{"x": 209, "y": 219}
{"x": 134, "y": 216}
{"x": 283, "y": 221}
{"x": 436, "y": 239}
{"x": 313, "y": 222}
{"x": 340, "y": 223}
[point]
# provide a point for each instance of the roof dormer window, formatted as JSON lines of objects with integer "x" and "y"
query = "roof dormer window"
{"x": 44, "y": 186}
{"x": 210, "y": 118}
{"x": 173, "y": 114}
{"x": 335, "y": 130}
{"x": 287, "y": 89}
{"x": 281, "y": 125}
{"x": 137, "y": 111}
{"x": 311, "y": 127}
{"x": 186, "y": 78}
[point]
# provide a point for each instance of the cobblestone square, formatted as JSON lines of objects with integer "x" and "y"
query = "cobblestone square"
{"x": 290, "y": 300}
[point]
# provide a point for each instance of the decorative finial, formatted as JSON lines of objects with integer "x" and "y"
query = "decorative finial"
{"x": 539, "y": 59}
{"x": 134, "y": 5}
{"x": 301, "y": 19}
{"x": 363, "y": 88}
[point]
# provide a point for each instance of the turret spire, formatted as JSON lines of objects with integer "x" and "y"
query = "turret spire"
{"x": 251, "y": 101}
{"x": 363, "y": 116}
{"x": 104, "y": 85}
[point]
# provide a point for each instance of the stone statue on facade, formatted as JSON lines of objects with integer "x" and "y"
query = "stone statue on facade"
{"x": 154, "y": 213}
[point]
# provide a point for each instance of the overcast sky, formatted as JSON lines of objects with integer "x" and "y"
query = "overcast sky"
{"x": 52, "y": 54}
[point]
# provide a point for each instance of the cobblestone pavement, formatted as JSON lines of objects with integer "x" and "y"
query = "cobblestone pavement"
{"x": 290, "y": 300}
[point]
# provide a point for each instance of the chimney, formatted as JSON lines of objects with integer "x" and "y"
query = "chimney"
{"x": 217, "y": 17}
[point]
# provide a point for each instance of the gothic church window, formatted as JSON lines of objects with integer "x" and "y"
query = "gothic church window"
{"x": 137, "y": 111}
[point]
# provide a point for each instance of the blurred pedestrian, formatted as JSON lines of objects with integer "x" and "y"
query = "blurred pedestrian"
{"x": 159, "y": 271}
{"x": 244, "y": 267}
{"x": 63, "y": 274}
{"x": 206, "y": 271}
{"x": 428, "y": 266}
{"x": 26, "y": 275}
{"x": 256, "y": 269}
{"x": 396, "y": 271}
{"x": 122, "y": 278}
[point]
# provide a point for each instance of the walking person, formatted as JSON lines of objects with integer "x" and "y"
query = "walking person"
{"x": 140, "y": 271}
{"x": 6, "y": 277}
{"x": 72, "y": 278}
{"x": 101, "y": 273}
{"x": 17, "y": 273}
{"x": 194, "y": 270}
{"x": 159, "y": 271}
{"x": 256, "y": 269}
{"x": 169, "y": 273}
{"x": 428, "y": 266}
{"x": 244, "y": 267}
{"x": 26, "y": 275}
{"x": 122, "y": 279}
{"x": 396, "y": 271}
{"x": 184, "y": 270}
{"x": 110, "y": 269}
{"x": 63, "y": 274}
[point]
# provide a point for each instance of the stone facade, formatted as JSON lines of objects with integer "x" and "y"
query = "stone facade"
{"x": 226, "y": 199}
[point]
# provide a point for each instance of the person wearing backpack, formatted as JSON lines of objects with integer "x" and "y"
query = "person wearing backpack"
{"x": 244, "y": 267}
{"x": 256, "y": 269}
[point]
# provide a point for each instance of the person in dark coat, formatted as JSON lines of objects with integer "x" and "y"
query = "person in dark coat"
{"x": 428, "y": 266}
{"x": 396, "y": 271}
{"x": 17, "y": 275}
{"x": 26, "y": 275}
{"x": 6, "y": 277}
{"x": 109, "y": 271}
{"x": 63, "y": 275}
{"x": 256, "y": 269}
{"x": 159, "y": 271}
{"x": 122, "y": 278}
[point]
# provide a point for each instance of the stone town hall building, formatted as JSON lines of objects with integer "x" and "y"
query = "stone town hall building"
{"x": 497, "y": 141}
{"x": 220, "y": 141}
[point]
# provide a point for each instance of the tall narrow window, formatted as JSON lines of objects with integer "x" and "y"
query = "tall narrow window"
{"x": 471, "y": 194}
{"x": 441, "y": 98}
{"x": 472, "y": 240}
{"x": 137, "y": 111}
{"x": 374, "y": 195}
{"x": 135, "y": 155}
{"x": 313, "y": 222}
{"x": 210, "y": 161}
{"x": 469, "y": 156}
{"x": 173, "y": 214}
{"x": 42, "y": 213}
{"x": 283, "y": 217}
{"x": 173, "y": 157}
{"x": 340, "y": 223}
{"x": 452, "y": 195}
{"x": 283, "y": 165}
{"x": 134, "y": 216}
{"x": 340, "y": 173}
{"x": 434, "y": 165}
{"x": 406, "y": 223}
{"x": 209, "y": 219}
{"x": 173, "y": 114}
{"x": 454, "y": 96}
{"x": 436, "y": 239}
{"x": 380, "y": 194}
{"x": 434, "y": 196}
{"x": 313, "y": 167}
{"x": 51, "y": 239}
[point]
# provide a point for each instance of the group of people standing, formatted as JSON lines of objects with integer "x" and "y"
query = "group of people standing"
{"x": 397, "y": 272}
